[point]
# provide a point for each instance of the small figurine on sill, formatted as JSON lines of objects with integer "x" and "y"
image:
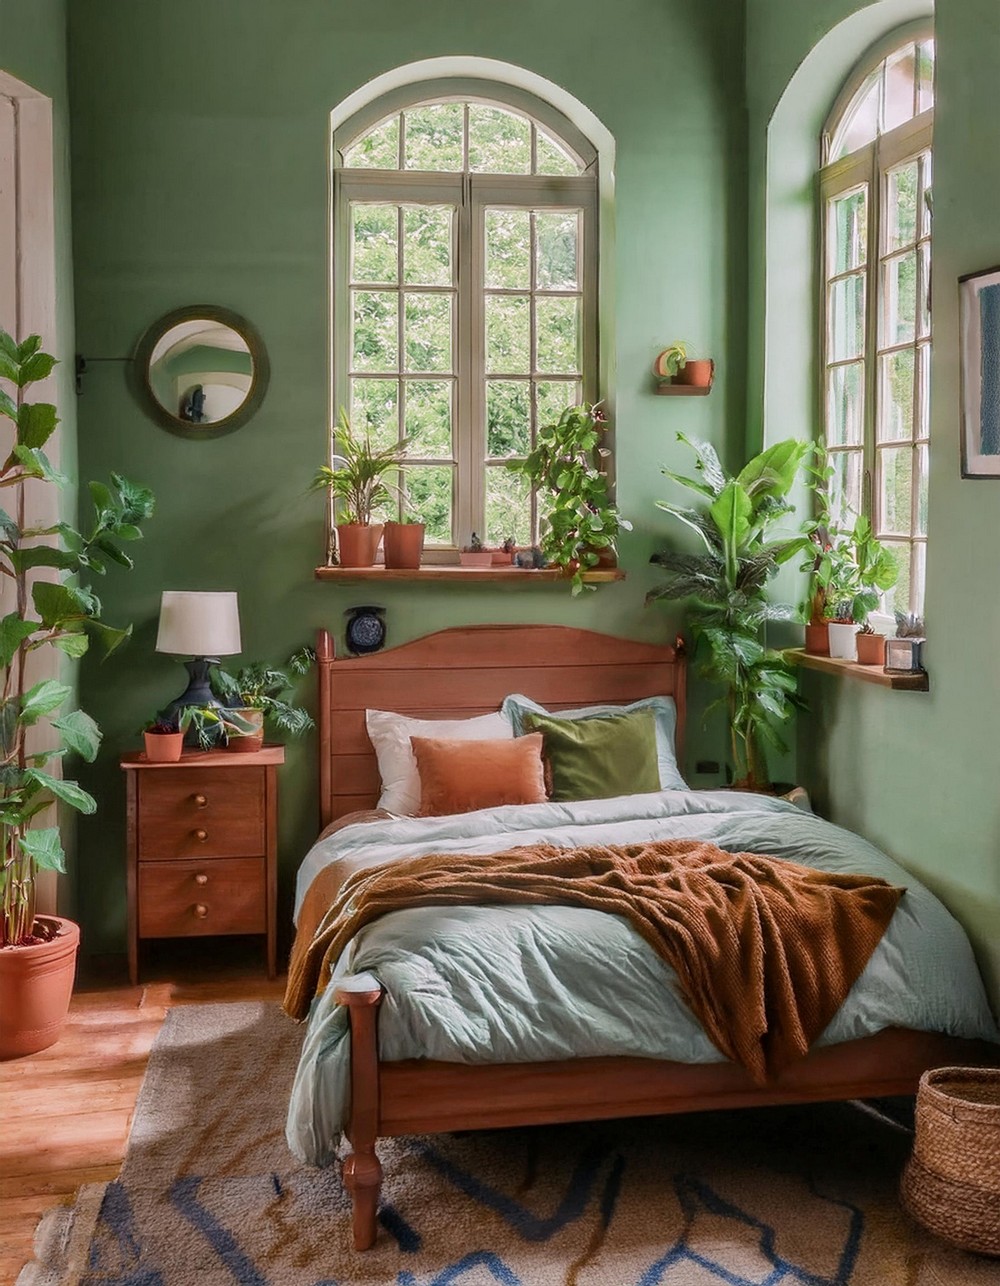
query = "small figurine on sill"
{"x": 530, "y": 558}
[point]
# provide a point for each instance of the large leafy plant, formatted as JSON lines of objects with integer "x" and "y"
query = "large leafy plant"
{"x": 579, "y": 520}
{"x": 57, "y": 611}
{"x": 725, "y": 586}
{"x": 851, "y": 571}
{"x": 357, "y": 477}
{"x": 262, "y": 687}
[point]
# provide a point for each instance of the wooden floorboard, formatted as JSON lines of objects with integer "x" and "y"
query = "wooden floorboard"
{"x": 67, "y": 1110}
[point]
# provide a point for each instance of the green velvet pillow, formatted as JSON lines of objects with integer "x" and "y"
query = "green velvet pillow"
{"x": 599, "y": 757}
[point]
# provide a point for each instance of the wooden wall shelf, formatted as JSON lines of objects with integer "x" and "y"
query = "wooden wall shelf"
{"x": 866, "y": 673}
{"x": 683, "y": 390}
{"x": 450, "y": 575}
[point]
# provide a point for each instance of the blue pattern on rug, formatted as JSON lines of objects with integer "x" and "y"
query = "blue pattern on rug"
{"x": 407, "y": 1237}
{"x": 478, "y": 1258}
{"x": 184, "y": 1195}
{"x": 116, "y": 1216}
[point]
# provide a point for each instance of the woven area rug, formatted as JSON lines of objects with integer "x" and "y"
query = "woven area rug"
{"x": 209, "y": 1194}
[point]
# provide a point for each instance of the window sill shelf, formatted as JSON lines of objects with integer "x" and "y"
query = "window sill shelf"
{"x": 465, "y": 575}
{"x": 866, "y": 673}
{"x": 682, "y": 390}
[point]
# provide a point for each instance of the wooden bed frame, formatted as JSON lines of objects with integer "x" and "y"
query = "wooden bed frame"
{"x": 460, "y": 672}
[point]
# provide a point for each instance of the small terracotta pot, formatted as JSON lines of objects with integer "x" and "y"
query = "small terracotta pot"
{"x": 697, "y": 371}
{"x": 475, "y": 558}
{"x": 818, "y": 639}
{"x": 357, "y": 543}
{"x": 501, "y": 558}
{"x": 247, "y": 742}
{"x": 36, "y": 983}
{"x": 403, "y": 544}
{"x": 871, "y": 649}
{"x": 163, "y": 747}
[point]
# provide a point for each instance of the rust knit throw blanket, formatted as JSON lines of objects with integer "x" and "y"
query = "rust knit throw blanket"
{"x": 765, "y": 950}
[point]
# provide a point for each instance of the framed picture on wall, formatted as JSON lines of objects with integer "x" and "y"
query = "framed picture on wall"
{"x": 979, "y": 342}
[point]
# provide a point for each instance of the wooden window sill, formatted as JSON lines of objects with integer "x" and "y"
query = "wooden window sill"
{"x": 682, "y": 390}
{"x": 451, "y": 575}
{"x": 866, "y": 673}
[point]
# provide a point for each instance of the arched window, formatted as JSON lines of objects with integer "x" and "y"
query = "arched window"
{"x": 875, "y": 188}
{"x": 465, "y": 293}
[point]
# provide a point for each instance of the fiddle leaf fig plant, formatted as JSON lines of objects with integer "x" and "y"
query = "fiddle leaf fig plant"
{"x": 59, "y": 612}
{"x": 725, "y": 586}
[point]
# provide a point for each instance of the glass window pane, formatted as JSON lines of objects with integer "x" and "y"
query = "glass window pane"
{"x": 895, "y": 406}
{"x": 557, "y": 335}
{"x": 557, "y": 236}
{"x": 508, "y": 506}
{"x": 552, "y": 157}
{"x": 925, "y": 75}
{"x": 375, "y": 410}
{"x": 508, "y": 249}
{"x": 848, "y": 231}
{"x": 508, "y": 334}
{"x": 902, "y": 193}
{"x": 924, "y": 302}
{"x": 846, "y": 324}
{"x": 429, "y": 491}
{"x": 427, "y": 245}
{"x": 428, "y": 417}
{"x": 845, "y": 411}
{"x": 388, "y": 509}
{"x": 926, "y": 201}
{"x": 923, "y": 462}
{"x": 552, "y": 397}
{"x": 898, "y": 599}
{"x": 896, "y": 472}
{"x": 899, "y": 87}
{"x": 427, "y": 329}
{"x": 899, "y": 299}
{"x": 373, "y": 243}
{"x": 433, "y": 137}
{"x": 918, "y": 578}
{"x": 374, "y": 336}
{"x": 859, "y": 124}
{"x": 508, "y": 417}
{"x": 924, "y": 391}
{"x": 845, "y": 487}
{"x": 378, "y": 150}
{"x": 499, "y": 141}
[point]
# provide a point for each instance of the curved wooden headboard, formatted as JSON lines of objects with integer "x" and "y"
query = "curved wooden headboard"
{"x": 468, "y": 670}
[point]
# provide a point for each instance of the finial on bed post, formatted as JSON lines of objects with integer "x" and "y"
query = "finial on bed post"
{"x": 325, "y": 647}
{"x": 680, "y": 647}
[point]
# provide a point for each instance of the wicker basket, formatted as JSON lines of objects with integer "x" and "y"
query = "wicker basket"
{"x": 951, "y": 1183}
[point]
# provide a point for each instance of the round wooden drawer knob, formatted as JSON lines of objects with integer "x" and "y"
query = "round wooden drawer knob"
{"x": 201, "y": 836}
{"x": 201, "y": 878}
{"x": 201, "y": 801}
{"x": 200, "y": 910}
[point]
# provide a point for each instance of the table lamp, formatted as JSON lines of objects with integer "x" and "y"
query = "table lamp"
{"x": 203, "y": 625}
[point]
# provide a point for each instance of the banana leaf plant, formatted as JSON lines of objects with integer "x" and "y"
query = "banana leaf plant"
{"x": 60, "y": 612}
{"x": 725, "y": 586}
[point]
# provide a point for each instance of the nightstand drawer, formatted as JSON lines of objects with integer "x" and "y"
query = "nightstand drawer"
{"x": 187, "y": 813}
{"x": 223, "y": 895}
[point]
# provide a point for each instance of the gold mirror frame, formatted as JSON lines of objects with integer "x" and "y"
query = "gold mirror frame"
{"x": 261, "y": 370}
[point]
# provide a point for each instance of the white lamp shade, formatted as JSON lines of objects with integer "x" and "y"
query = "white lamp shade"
{"x": 196, "y": 623}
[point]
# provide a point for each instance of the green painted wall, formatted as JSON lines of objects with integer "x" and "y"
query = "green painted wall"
{"x": 915, "y": 773}
{"x": 199, "y": 137}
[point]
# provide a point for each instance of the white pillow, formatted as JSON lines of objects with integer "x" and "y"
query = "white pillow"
{"x": 390, "y": 734}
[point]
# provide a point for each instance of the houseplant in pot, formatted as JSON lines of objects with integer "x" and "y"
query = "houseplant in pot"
{"x": 725, "y": 585}
{"x": 357, "y": 483}
{"x": 403, "y": 542}
{"x": 164, "y": 741}
{"x": 255, "y": 693}
{"x": 673, "y": 365}
{"x": 580, "y": 523}
{"x": 853, "y": 572}
{"x": 38, "y": 952}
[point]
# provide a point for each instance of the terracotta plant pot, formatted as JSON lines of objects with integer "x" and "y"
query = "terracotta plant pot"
{"x": 475, "y": 558}
{"x": 697, "y": 371}
{"x": 163, "y": 747}
{"x": 403, "y": 544}
{"x": 357, "y": 544}
{"x": 818, "y": 639}
{"x": 247, "y": 742}
{"x": 501, "y": 558}
{"x": 36, "y": 983}
{"x": 843, "y": 635}
{"x": 871, "y": 649}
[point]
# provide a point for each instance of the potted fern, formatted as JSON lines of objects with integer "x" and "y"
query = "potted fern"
{"x": 38, "y": 952}
{"x": 725, "y": 585}
{"x": 357, "y": 483}
{"x": 255, "y": 693}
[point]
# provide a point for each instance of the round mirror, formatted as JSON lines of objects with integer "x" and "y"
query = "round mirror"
{"x": 203, "y": 370}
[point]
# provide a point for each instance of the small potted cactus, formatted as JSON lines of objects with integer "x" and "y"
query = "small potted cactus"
{"x": 475, "y": 554}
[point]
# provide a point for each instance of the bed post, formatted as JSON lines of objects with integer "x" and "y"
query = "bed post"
{"x": 324, "y": 659}
{"x": 362, "y": 1170}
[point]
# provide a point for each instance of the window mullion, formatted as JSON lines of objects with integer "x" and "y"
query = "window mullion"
{"x": 471, "y": 444}
{"x": 871, "y": 465}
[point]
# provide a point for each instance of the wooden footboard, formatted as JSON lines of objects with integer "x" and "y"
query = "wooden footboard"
{"x": 426, "y": 1097}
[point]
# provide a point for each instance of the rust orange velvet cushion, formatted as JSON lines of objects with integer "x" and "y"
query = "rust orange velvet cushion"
{"x": 461, "y": 776}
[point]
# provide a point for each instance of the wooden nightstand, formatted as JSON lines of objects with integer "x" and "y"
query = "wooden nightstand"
{"x": 202, "y": 847}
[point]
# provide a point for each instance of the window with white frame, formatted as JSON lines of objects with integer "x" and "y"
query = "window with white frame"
{"x": 465, "y": 296}
{"x": 875, "y": 187}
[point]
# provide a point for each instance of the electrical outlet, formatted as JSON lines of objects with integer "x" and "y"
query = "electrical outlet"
{"x": 707, "y": 766}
